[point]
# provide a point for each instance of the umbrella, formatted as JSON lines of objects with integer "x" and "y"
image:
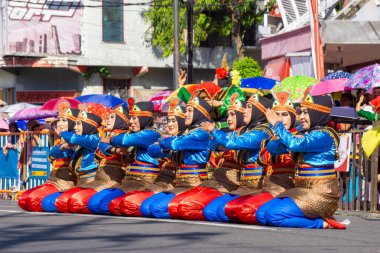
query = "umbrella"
{"x": 337, "y": 75}
{"x": 106, "y": 100}
{"x": 3, "y": 124}
{"x": 344, "y": 112}
{"x": 12, "y": 109}
{"x": 159, "y": 99}
{"x": 366, "y": 78}
{"x": 295, "y": 85}
{"x": 52, "y": 104}
{"x": 32, "y": 113}
{"x": 258, "y": 82}
{"x": 329, "y": 86}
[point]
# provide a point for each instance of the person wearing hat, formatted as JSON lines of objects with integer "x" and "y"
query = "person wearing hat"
{"x": 225, "y": 168}
{"x": 143, "y": 169}
{"x": 86, "y": 139}
{"x": 247, "y": 142}
{"x": 279, "y": 168}
{"x": 191, "y": 153}
{"x": 175, "y": 126}
{"x": 314, "y": 200}
{"x": 61, "y": 177}
{"x": 112, "y": 163}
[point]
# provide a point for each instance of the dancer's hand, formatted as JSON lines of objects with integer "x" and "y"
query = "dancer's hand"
{"x": 207, "y": 126}
{"x": 272, "y": 117}
{"x": 106, "y": 140}
{"x": 182, "y": 76}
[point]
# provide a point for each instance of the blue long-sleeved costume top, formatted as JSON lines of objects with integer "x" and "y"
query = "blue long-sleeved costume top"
{"x": 57, "y": 153}
{"x": 85, "y": 153}
{"x": 193, "y": 145}
{"x": 250, "y": 141}
{"x": 141, "y": 140}
{"x": 318, "y": 146}
{"x": 156, "y": 151}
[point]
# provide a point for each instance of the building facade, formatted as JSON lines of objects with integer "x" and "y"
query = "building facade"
{"x": 48, "y": 46}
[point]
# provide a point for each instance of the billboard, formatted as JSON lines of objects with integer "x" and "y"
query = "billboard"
{"x": 44, "y": 27}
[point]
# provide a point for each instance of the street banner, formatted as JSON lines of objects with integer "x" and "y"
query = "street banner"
{"x": 40, "y": 166}
{"x": 8, "y": 164}
{"x": 344, "y": 150}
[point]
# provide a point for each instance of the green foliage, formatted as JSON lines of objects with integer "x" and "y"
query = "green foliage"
{"x": 247, "y": 67}
{"x": 210, "y": 17}
{"x": 102, "y": 71}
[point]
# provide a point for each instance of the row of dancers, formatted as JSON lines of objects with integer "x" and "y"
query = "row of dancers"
{"x": 271, "y": 165}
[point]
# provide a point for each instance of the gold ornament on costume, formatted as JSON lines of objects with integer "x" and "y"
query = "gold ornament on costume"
{"x": 194, "y": 102}
{"x": 308, "y": 102}
{"x": 254, "y": 100}
{"x": 175, "y": 109}
{"x": 235, "y": 103}
{"x": 282, "y": 102}
{"x": 119, "y": 111}
{"x": 64, "y": 111}
{"x": 134, "y": 110}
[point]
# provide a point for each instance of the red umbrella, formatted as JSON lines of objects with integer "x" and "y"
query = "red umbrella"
{"x": 52, "y": 104}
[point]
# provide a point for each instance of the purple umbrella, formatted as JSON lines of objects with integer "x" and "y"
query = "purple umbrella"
{"x": 32, "y": 113}
{"x": 366, "y": 78}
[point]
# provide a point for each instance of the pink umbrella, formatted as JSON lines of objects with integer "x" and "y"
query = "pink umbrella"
{"x": 159, "y": 99}
{"x": 32, "y": 113}
{"x": 52, "y": 104}
{"x": 329, "y": 86}
{"x": 3, "y": 124}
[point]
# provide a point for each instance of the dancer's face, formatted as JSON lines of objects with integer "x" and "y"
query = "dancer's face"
{"x": 63, "y": 124}
{"x": 285, "y": 118}
{"x": 135, "y": 124}
{"x": 248, "y": 114}
{"x": 231, "y": 120}
{"x": 111, "y": 122}
{"x": 189, "y": 115}
{"x": 78, "y": 129}
{"x": 305, "y": 118}
{"x": 172, "y": 125}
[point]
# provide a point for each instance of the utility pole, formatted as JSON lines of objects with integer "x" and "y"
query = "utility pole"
{"x": 190, "y": 10}
{"x": 176, "y": 53}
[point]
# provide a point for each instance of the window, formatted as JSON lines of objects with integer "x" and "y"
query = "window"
{"x": 113, "y": 21}
{"x": 117, "y": 87}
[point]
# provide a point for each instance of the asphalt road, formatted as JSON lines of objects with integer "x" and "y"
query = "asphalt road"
{"x": 44, "y": 232}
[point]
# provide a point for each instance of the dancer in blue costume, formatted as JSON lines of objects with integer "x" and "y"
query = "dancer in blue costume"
{"x": 223, "y": 164}
{"x": 191, "y": 154}
{"x": 143, "y": 170}
{"x": 85, "y": 139}
{"x": 112, "y": 163}
{"x": 175, "y": 126}
{"x": 61, "y": 177}
{"x": 248, "y": 143}
{"x": 315, "y": 197}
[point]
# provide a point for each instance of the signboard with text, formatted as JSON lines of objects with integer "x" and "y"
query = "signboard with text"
{"x": 43, "y": 27}
{"x": 40, "y": 166}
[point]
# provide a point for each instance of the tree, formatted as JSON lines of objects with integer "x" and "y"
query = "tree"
{"x": 247, "y": 67}
{"x": 225, "y": 17}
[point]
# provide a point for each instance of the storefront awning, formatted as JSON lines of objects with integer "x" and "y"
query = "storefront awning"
{"x": 297, "y": 40}
{"x": 351, "y": 42}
